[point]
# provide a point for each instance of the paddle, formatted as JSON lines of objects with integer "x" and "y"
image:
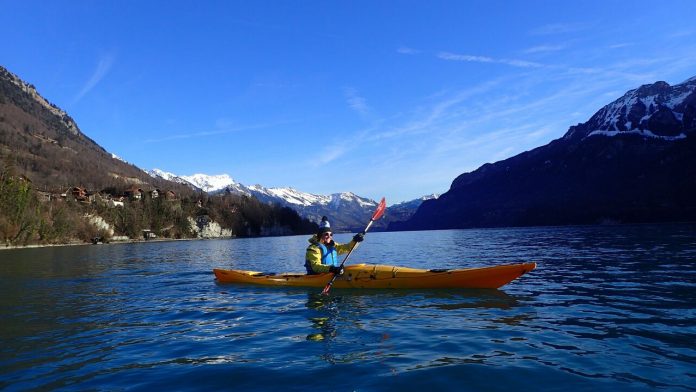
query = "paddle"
{"x": 377, "y": 214}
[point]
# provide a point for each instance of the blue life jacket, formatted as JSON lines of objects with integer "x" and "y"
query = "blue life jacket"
{"x": 329, "y": 256}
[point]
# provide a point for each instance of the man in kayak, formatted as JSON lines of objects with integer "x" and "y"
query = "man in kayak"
{"x": 322, "y": 252}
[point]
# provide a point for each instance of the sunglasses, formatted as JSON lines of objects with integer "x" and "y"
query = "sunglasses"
{"x": 327, "y": 235}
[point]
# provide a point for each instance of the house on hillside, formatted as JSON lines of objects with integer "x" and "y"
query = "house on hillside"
{"x": 148, "y": 234}
{"x": 169, "y": 195}
{"x": 134, "y": 193}
{"x": 80, "y": 194}
{"x": 115, "y": 203}
{"x": 155, "y": 193}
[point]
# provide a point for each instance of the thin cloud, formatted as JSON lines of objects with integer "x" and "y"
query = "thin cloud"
{"x": 544, "y": 49}
{"x": 206, "y": 133}
{"x": 407, "y": 50}
{"x": 102, "y": 69}
{"x": 464, "y": 57}
{"x": 356, "y": 102}
{"x": 621, "y": 45}
{"x": 329, "y": 155}
{"x": 681, "y": 34}
{"x": 558, "y": 28}
{"x": 484, "y": 59}
{"x": 434, "y": 115}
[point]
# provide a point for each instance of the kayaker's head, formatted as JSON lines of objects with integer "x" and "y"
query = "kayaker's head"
{"x": 325, "y": 235}
{"x": 326, "y": 238}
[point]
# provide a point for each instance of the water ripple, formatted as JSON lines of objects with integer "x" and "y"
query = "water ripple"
{"x": 607, "y": 308}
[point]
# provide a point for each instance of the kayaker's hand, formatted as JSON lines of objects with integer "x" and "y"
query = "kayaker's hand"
{"x": 359, "y": 237}
{"x": 336, "y": 270}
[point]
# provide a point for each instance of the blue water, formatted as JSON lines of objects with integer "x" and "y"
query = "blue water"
{"x": 608, "y": 308}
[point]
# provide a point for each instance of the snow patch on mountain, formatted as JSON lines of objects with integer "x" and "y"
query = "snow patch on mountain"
{"x": 157, "y": 173}
{"x": 641, "y": 132}
{"x": 416, "y": 202}
{"x": 210, "y": 183}
{"x": 118, "y": 158}
{"x": 657, "y": 111}
{"x": 291, "y": 196}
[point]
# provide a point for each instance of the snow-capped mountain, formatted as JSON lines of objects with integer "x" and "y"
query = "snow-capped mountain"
{"x": 404, "y": 210}
{"x": 204, "y": 182}
{"x": 293, "y": 196}
{"x": 346, "y": 211}
{"x": 157, "y": 173}
{"x": 210, "y": 183}
{"x": 657, "y": 110}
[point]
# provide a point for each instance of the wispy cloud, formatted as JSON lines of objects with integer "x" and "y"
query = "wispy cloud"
{"x": 484, "y": 59}
{"x": 102, "y": 69}
{"x": 559, "y": 28}
{"x": 621, "y": 45}
{"x": 543, "y": 49}
{"x": 444, "y": 109}
{"x": 682, "y": 34}
{"x": 356, "y": 102}
{"x": 464, "y": 57}
{"x": 407, "y": 50}
{"x": 329, "y": 155}
{"x": 198, "y": 134}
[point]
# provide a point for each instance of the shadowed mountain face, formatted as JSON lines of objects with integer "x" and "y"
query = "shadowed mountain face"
{"x": 633, "y": 161}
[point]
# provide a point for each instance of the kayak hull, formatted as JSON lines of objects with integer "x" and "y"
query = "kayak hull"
{"x": 370, "y": 276}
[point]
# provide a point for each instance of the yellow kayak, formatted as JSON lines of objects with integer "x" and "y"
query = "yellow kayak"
{"x": 371, "y": 276}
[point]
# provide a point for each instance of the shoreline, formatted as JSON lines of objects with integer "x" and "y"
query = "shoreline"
{"x": 34, "y": 246}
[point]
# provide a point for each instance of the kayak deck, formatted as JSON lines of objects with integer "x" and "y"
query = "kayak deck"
{"x": 373, "y": 276}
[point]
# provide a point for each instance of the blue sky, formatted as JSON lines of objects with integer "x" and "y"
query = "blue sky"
{"x": 380, "y": 98}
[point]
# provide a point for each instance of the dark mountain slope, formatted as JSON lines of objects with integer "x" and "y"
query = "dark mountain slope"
{"x": 633, "y": 161}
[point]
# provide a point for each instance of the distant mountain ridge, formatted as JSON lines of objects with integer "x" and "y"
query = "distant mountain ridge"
{"x": 346, "y": 211}
{"x": 632, "y": 161}
{"x": 201, "y": 182}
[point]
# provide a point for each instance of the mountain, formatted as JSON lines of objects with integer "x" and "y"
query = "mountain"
{"x": 45, "y": 144}
{"x": 403, "y": 211}
{"x": 632, "y": 161}
{"x": 346, "y": 211}
{"x": 58, "y": 186}
{"x": 202, "y": 182}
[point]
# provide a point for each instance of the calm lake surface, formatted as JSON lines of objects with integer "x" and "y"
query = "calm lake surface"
{"x": 608, "y": 308}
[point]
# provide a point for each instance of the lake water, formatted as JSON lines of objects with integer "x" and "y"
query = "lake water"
{"x": 608, "y": 308}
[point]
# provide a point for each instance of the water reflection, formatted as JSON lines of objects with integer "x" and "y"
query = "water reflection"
{"x": 359, "y": 325}
{"x": 323, "y": 324}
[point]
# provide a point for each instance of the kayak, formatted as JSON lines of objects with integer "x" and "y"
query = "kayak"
{"x": 372, "y": 276}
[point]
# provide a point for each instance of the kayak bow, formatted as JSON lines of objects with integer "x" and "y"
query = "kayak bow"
{"x": 370, "y": 276}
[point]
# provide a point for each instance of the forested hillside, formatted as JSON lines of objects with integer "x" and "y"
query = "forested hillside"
{"x": 57, "y": 185}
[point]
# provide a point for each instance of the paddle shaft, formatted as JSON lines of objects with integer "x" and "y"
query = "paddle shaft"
{"x": 354, "y": 246}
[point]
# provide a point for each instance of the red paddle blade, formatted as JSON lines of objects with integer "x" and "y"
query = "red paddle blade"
{"x": 380, "y": 210}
